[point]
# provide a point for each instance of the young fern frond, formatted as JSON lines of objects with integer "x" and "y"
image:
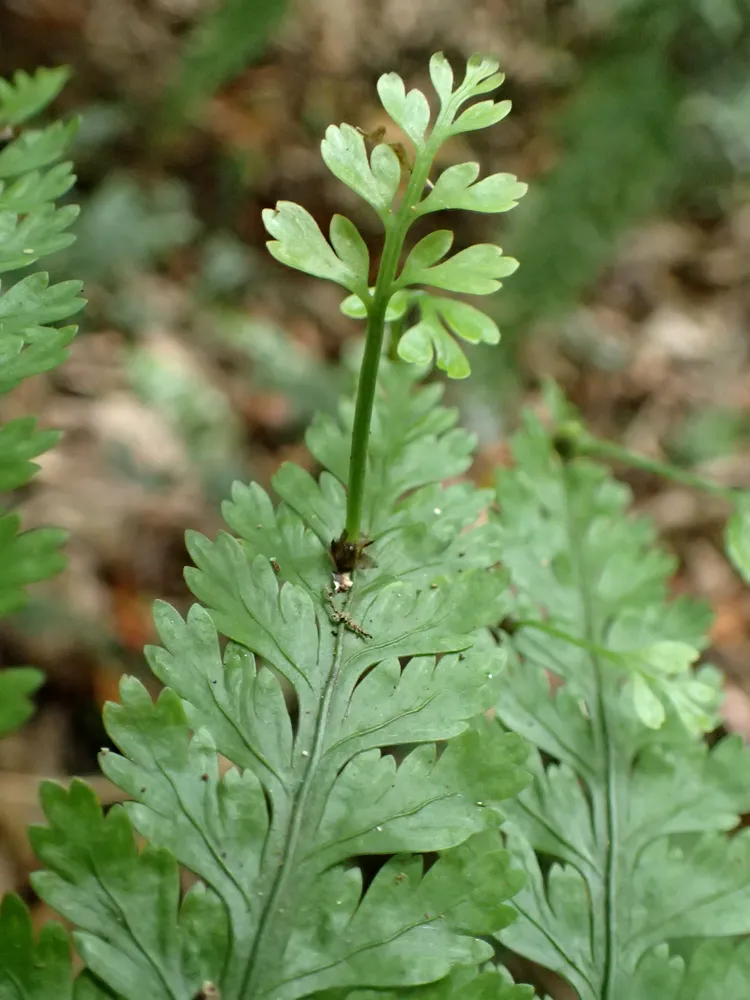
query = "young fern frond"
{"x": 377, "y": 177}
{"x": 624, "y": 833}
{"x": 31, "y": 227}
{"x": 307, "y": 706}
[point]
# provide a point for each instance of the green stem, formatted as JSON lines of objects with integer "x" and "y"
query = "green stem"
{"x": 531, "y": 623}
{"x": 396, "y": 229}
{"x": 581, "y": 443}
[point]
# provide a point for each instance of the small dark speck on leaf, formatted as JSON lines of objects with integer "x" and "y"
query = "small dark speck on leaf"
{"x": 208, "y": 992}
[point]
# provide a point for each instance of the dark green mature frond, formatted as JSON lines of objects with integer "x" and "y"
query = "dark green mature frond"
{"x": 29, "y": 969}
{"x": 31, "y": 227}
{"x": 39, "y": 967}
{"x": 17, "y": 684}
{"x": 326, "y": 707}
{"x": 633, "y": 811}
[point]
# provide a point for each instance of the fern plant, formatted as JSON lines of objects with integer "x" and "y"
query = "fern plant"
{"x": 377, "y": 178}
{"x": 315, "y": 759}
{"x": 318, "y": 769}
{"x": 627, "y": 833}
{"x": 32, "y": 178}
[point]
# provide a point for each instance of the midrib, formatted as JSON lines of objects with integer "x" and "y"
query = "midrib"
{"x": 604, "y": 799}
{"x": 264, "y": 955}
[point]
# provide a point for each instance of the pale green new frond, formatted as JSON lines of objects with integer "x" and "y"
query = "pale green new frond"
{"x": 458, "y": 187}
{"x": 481, "y": 115}
{"x": 440, "y": 319}
{"x": 400, "y": 191}
{"x": 631, "y": 810}
{"x": 409, "y": 109}
{"x": 346, "y": 723}
{"x": 300, "y": 244}
{"x": 475, "y": 270}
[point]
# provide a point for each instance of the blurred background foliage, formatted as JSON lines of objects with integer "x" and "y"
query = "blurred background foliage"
{"x": 202, "y": 360}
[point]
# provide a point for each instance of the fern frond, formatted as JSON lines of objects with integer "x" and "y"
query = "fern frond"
{"x": 716, "y": 969}
{"x": 31, "y": 179}
{"x": 29, "y": 969}
{"x": 325, "y": 709}
{"x": 39, "y": 967}
{"x": 17, "y": 684}
{"x": 624, "y": 833}
{"x": 491, "y": 983}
